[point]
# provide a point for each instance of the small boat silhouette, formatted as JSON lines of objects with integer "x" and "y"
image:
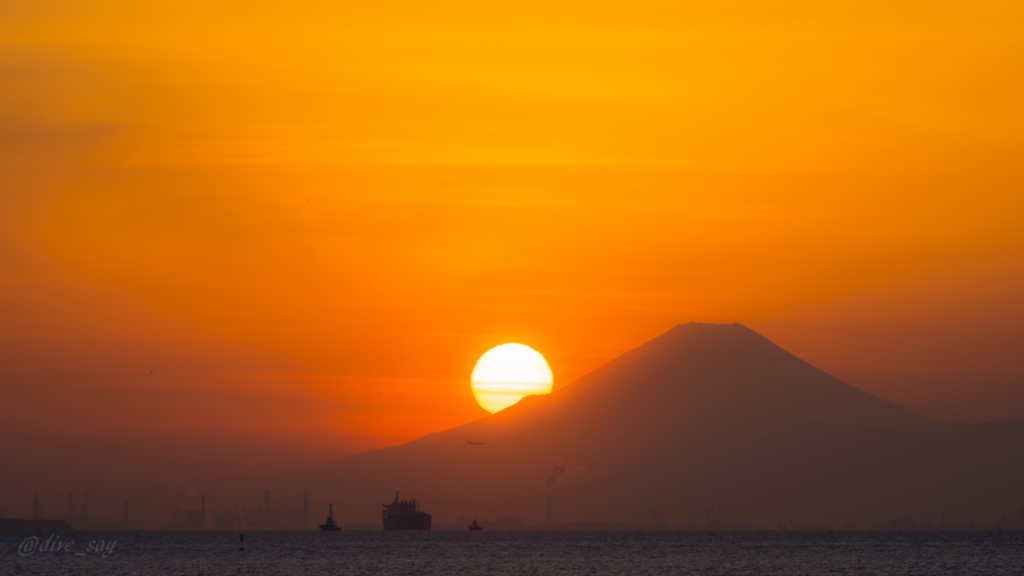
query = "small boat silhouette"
{"x": 329, "y": 525}
{"x": 475, "y": 526}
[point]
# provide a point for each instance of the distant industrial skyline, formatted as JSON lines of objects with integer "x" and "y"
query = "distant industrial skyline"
{"x": 707, "y": 426}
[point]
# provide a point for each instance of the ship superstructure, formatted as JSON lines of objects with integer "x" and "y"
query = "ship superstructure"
{"x": 403, "y": 515}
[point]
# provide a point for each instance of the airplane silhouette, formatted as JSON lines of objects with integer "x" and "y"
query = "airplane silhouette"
{"x": 471, "y": 443}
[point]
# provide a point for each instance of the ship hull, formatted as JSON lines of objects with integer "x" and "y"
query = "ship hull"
{"x": 414, "y": 521}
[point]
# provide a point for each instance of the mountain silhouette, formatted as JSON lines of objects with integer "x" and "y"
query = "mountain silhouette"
{"x": 702, "y": 417}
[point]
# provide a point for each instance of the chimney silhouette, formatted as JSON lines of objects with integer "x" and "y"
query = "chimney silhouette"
{"x": 125, "y": 513}
{"x": 71, "y": 505}
{"x": 203, "y": 509}
{"x": 549, "y": 513}
{"x": 35, "y": 508}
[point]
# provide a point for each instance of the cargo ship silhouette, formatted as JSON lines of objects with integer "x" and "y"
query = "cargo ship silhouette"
{"x": 402, "y": 515}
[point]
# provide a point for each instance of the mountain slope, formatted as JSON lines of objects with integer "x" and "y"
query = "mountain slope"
{"x": 700, "y": 415}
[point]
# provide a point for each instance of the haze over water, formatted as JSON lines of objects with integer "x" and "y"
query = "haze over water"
{"x": 499, "y": 553}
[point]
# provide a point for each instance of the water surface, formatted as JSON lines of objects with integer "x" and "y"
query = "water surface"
{"x": 489, "y": 552}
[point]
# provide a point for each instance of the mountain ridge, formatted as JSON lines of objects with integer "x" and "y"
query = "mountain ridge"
{"x": 703, "y": 413}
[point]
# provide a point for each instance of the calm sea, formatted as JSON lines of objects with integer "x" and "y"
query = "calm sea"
{"x": 487, "y": 552}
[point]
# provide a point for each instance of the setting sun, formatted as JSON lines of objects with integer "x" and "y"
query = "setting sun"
{"x": 506, "y": 373}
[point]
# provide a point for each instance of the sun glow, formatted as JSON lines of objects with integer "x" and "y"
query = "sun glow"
{"x": 506, "y": 373}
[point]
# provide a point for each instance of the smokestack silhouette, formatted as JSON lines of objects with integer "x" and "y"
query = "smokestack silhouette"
{"x": 125, "y": 513}
{"x": 35, "y": 508}
{"x": 266, "y": 503}
{"x": 71, "y": 504}
{"x": 85, "y": 506}
{"x": 549, "y": 513}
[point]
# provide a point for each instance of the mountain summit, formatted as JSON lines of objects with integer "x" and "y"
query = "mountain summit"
{"x": 704, "y": 415}
{"x": 702, "y": 374}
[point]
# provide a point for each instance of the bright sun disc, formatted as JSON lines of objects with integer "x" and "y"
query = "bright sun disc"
{"x": 508, "y": 372}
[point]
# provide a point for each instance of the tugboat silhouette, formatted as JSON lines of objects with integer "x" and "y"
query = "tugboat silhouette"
{"x": 330, "y": 526}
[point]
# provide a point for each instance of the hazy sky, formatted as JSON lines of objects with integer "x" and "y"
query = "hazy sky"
{"x": 294, "y": 227}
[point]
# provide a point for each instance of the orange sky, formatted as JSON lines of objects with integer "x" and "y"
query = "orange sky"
{"x": 309, "y": 220}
